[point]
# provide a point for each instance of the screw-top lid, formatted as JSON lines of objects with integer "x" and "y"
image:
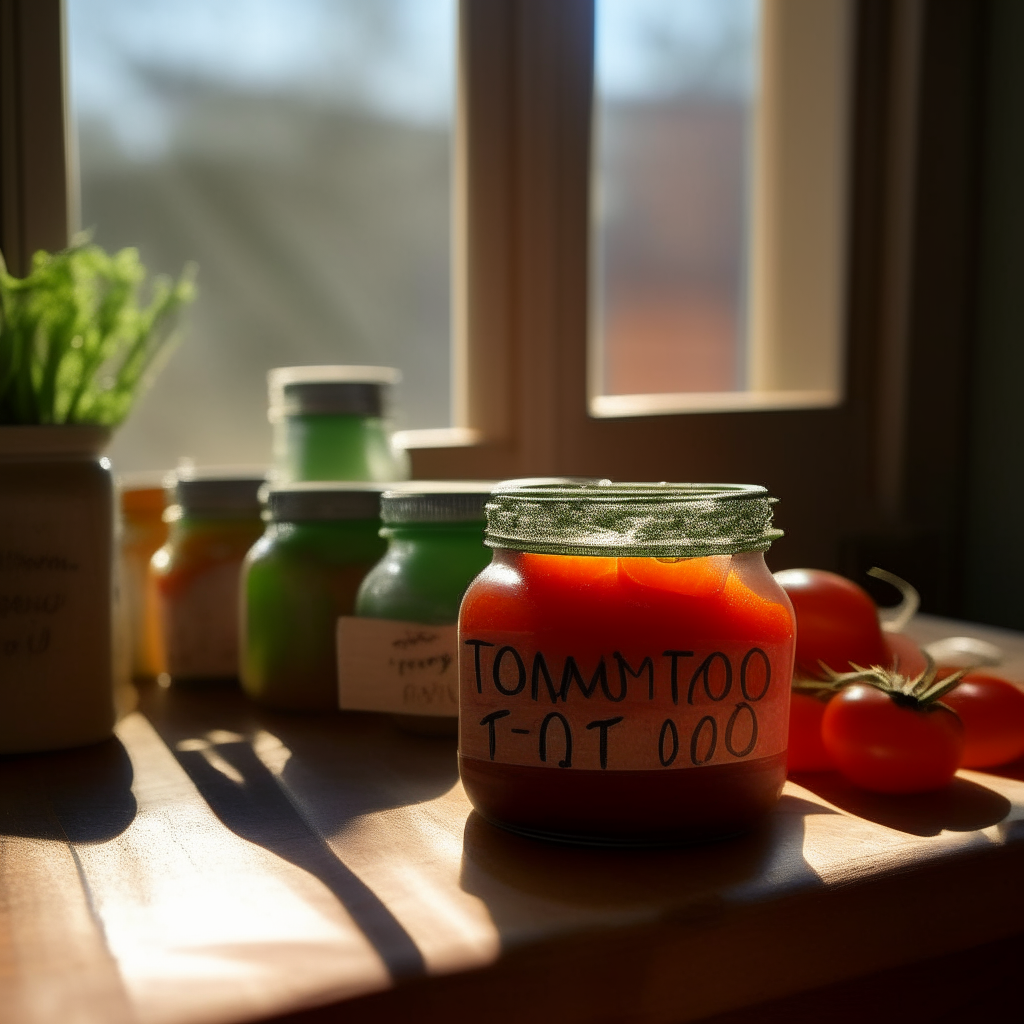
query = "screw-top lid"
{"x": 329, "y": 390}
{"x": 143, "y": 502}
{"x": 216, "y": 494}
{"x": 660, "y": 520}
{"x": 144, "y": 493}
{"x": 323, "y": 501}
{"x": 436, "y": 501}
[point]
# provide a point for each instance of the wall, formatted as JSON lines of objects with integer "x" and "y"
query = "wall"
{"x": 994, "y": 530}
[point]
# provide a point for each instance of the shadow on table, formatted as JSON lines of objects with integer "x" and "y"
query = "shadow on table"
{"x": 333, "y": 768}
{"x": 82, "y": 795}
{"x": 963, "y": 806}
{"x": 689, "y": 883}
{"x": 1013, "y": 770}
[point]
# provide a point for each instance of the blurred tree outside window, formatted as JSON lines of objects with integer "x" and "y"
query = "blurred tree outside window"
{"x": 675, "y": 104}
{"x": 300, "y": 152}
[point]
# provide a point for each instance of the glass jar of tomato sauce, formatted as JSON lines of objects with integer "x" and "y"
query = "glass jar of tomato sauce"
{"x": 625, "y": 663}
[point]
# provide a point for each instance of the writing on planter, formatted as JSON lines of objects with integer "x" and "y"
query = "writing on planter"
{"x": 21, "y": 561}
{"x": 31, "y": 604}
{"x": 31, "y": 641}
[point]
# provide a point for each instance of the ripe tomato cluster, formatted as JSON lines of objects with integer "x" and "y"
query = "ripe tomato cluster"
{"x": 869, "y": 703}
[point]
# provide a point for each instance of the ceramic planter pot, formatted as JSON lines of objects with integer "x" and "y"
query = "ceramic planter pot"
{"x": 56, "y": 588}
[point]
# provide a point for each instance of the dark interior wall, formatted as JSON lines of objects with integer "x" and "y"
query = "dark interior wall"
{"x": 994, "y": 526}
{"x": 913, "y": 285}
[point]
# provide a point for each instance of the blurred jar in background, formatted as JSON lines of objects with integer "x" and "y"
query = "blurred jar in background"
{"x": 409, "y": 602}
{"x": 143, "y": 532}
{"x": 320, "y": 542}
{"x": 213, "y": 521}
{"x": 331, "y": 423}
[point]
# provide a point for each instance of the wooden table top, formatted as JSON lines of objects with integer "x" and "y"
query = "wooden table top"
{"x": 217, "y": 863}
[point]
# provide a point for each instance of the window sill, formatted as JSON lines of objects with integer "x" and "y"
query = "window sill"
{"x": 439, "y": 437}
{"x": 619, "y": 406}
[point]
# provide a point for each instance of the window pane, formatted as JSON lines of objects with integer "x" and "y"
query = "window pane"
{"x": 675, "y": 84}
{"x": 299, "y": 151}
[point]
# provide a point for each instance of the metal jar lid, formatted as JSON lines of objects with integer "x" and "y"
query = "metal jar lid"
{"x": 660, "y": 520}
{"x": 436, "y": 501}
{"x": 323, "y": 501}
{"x": 216, "y": 495}
{"x": 329, "y": 390}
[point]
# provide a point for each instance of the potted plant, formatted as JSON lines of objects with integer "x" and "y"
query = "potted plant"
{"x": 76, "y": 346}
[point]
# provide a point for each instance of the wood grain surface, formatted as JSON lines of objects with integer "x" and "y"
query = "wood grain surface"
{"x": 216, "y": 863}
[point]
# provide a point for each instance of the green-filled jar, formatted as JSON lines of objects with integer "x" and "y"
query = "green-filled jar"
{"x": 300, "y": 576}
{"x": 402, "y": 649}
{"x": 330, "y": 423}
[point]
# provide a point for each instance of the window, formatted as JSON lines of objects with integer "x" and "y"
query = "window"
{"x": 300, "y": 152}
{"x": 520, "y": 398}
{"x": 719, "y": 205}
{"x": 675, "y": 111}
{"x": 897, "y": 274}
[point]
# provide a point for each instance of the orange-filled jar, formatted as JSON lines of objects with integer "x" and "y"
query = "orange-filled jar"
{"x": 143, "y": 533}
{"x": 625, "y": 663}
{"x": 214, "y": 520}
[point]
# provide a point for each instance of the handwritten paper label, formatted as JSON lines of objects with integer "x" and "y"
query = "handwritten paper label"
{"x": 200, "y": 625}
{"x": 683, "y": 705}
{"x": 402, "y": 667}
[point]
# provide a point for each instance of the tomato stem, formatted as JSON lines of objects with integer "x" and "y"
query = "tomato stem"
{"x": 822, "y": 689}
{"x": 898, "y": 618}
{"x": 920, "y": 692}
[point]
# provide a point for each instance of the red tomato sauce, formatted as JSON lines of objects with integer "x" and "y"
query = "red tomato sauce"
{"x": 625, "y": 700}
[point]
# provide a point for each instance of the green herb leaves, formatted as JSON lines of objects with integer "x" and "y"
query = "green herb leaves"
{"x": 75, "y": 344}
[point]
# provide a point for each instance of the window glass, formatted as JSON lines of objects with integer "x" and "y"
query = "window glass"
{"x": 300, "y": 152}
{"x": 675, "y": 84}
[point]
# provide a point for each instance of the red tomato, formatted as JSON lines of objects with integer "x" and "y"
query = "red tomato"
{"x": 836, "y": 622}
{"x": 905, "y": 655}
{"x": 806, "y": 751}
{"x": 992, "y": 710}
{"x": 888, "y": 748}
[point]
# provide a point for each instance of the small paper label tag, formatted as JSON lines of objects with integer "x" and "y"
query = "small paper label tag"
{"x": 401, "y": 667}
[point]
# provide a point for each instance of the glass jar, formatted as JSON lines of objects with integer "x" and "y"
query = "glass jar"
{"x": 144, "y": 532}
{"x": 330, "y": 424}
{"x": 625, "y": 664}
{"x": 214, "y": 520}
{"x": 300, "y": 577}
{"x": 410, "y": 601}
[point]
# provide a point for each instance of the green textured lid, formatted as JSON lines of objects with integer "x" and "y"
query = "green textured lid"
{"x": 656, "y": 520}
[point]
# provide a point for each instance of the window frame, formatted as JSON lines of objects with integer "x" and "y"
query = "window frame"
{"x": 522, "y": 272}
{"x": 35, "y": 207}
{"x": 524, "y": 379}
{"x": 875, "y": 462}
